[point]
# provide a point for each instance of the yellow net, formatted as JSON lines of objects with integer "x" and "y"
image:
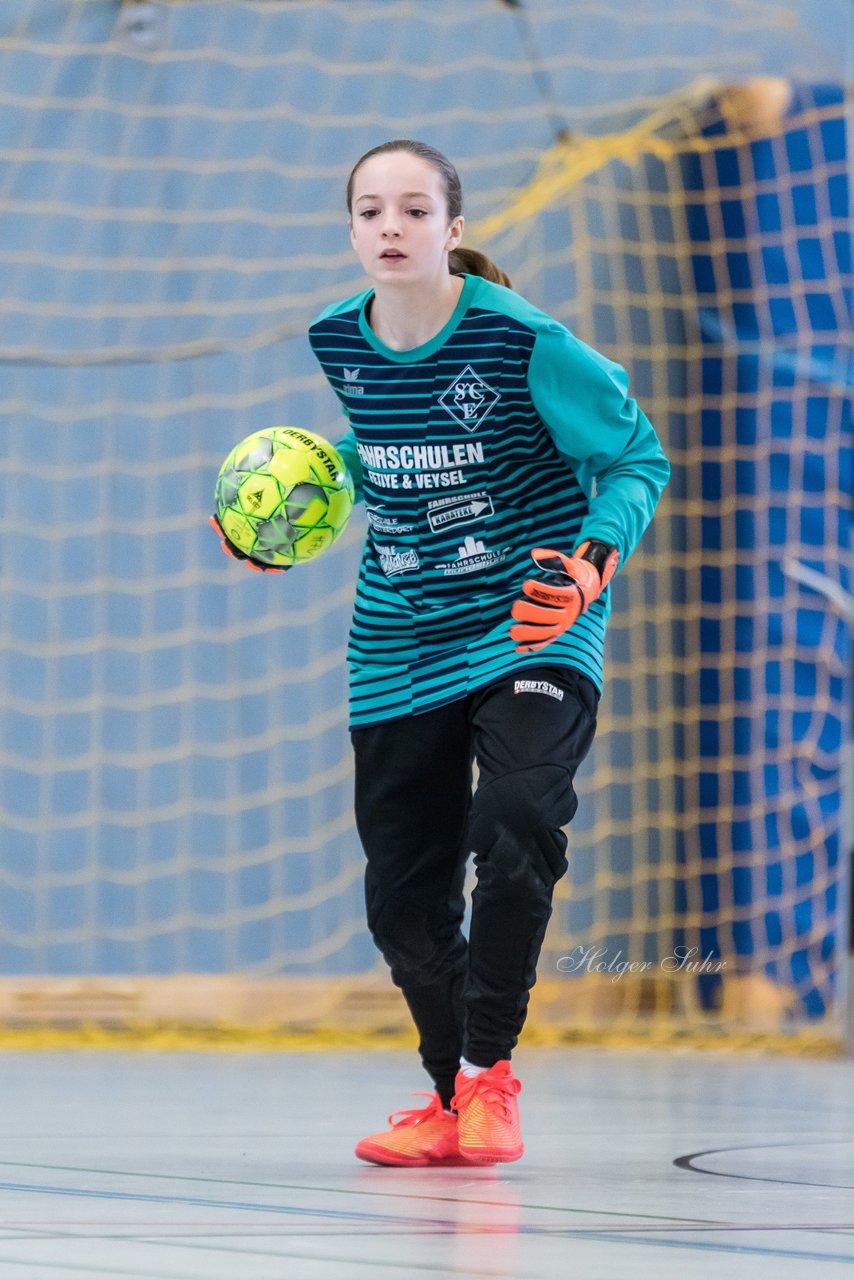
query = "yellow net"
{"x": 179, "y": 856}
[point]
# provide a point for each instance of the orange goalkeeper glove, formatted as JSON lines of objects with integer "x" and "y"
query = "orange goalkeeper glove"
{"x": 236, "y": 554}
{"x": 549, "y": 608}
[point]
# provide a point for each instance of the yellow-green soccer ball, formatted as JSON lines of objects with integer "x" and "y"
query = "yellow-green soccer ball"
{"x": 283, "y": 495}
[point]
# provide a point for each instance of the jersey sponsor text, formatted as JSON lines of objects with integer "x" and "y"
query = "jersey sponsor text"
{"x": 420, "y": 457}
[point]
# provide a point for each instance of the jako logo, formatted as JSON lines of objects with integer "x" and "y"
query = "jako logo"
{"x": 538, "y": 686}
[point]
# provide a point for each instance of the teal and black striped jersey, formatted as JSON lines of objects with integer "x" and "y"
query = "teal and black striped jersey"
{"x": 501, "y": 434}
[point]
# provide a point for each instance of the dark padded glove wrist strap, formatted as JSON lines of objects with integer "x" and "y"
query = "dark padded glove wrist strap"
{"x": 597, "y": 554}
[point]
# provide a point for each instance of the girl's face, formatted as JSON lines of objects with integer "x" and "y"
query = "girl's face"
{"x": 399, "y": 219}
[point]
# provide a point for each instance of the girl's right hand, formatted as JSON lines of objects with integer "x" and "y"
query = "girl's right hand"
{"x": 236, "y": 554}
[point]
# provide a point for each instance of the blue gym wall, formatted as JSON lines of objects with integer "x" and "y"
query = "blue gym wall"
{"x": 122, "y": 628}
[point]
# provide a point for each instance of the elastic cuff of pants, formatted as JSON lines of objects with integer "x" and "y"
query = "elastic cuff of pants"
{"x": 446, "y": 1090}
{"x": 484, "y": 1056}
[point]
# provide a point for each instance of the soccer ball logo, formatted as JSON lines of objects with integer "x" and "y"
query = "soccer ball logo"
{"x": 283, "y": 495}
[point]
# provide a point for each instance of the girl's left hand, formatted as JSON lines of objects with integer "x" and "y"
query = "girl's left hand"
{"x": 549, "y": 608}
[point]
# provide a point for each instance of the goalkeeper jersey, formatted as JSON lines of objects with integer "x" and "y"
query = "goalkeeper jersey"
{"x": 502, "y": 433}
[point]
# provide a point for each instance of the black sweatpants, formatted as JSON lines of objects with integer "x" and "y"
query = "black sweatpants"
{"x": 418, "y": 822}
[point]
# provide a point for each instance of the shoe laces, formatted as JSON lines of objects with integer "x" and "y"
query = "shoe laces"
{"x": 417, "y": 1115}
{"x": 495, "y": 1091}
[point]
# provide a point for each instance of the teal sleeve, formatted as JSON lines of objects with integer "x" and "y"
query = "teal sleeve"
{"x": 609, "y": 442}
{"x": 346, "y": 446}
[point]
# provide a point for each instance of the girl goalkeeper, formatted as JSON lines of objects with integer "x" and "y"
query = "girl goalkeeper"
{"x": 483, "y": 437}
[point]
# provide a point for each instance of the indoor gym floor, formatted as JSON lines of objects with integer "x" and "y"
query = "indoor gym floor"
{"x": 678, "y": 1165}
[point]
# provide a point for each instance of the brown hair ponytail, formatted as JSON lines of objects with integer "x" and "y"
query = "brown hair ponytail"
{"x": 470, "y": 261}
{"x": 474, "y": 263}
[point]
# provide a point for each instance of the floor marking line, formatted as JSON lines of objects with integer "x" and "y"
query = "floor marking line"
{"x": 720, "y": 1247}
{"x": 441, "y": 1267}
{"x": 150, "y": 1198}
{"x": 687, "y": 1162}
{"x": 353, "y": 1191}
{"x": 89, "y": 1269}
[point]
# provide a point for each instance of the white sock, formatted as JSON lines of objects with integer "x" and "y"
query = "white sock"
{"x": 469, "y": 1068}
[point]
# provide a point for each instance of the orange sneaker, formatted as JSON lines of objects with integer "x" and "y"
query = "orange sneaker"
{"x": 488, "y": 1115}
{"x": 424, "y": 1135}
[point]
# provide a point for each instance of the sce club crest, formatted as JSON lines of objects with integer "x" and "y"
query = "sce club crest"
{"x": 469, "y": 399}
